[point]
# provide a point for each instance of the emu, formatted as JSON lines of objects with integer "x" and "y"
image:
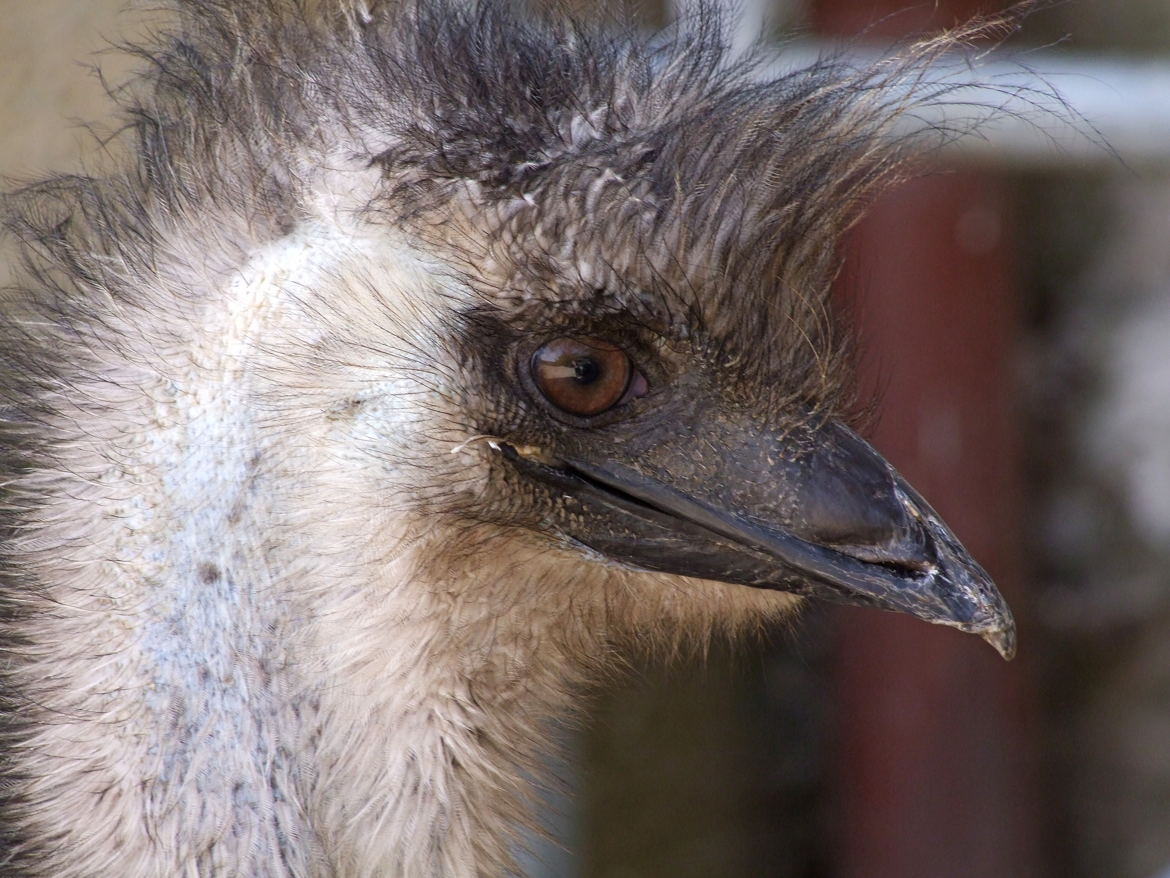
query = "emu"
{"x": 417, "y": 363}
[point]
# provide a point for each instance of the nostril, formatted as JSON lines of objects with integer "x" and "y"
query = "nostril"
{"x": 905, "y": 543}
{"x": 900, "y": 548}
{"x": 847, "y": 498}
{"x": 837, "y": 512}
{"x": 904, "y": 557}
{"x": 879, "y": 529}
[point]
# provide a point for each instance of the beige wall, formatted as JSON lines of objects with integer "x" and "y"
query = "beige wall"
{"x": 46, "y": 90}
{"x": 49, "y": 90}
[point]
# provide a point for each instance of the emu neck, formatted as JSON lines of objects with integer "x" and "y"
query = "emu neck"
{"x": 245, "y": 645}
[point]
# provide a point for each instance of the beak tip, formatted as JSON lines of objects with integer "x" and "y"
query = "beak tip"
{"x": 997, "y": 626}
{"x": 1003, "y": 640}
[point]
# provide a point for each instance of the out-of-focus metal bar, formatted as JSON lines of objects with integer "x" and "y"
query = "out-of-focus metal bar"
{"x": 1020, "y": 107}
{"x": 1030, "y": 108}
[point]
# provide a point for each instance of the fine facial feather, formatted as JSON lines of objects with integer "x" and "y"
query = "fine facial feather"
{"x": 276, "y": 604}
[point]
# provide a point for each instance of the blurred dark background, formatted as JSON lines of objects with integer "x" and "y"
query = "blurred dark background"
{"x": 1015, "y": 317}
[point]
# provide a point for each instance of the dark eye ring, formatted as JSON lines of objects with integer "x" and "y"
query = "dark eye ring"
{"x": 585, "y": 376}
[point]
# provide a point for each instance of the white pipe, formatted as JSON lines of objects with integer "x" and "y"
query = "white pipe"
{"x": 1044, "y": 108}
{"x": 1039, "y": 108}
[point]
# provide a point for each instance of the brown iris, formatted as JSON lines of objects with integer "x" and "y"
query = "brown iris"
{"x": 581, "y": 376}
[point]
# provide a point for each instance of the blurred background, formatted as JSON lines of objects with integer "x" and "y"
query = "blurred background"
{"x": 1014, "y": 306}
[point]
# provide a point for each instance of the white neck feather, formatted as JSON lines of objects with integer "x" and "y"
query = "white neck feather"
{"x": 248, "y": 659}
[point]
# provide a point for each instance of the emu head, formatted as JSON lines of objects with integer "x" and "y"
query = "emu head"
{"x": 530, "y": 295}
{"x": 627, "y": 340}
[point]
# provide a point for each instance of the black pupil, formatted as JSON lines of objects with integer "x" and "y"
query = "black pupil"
{"x": 586, "y": 370}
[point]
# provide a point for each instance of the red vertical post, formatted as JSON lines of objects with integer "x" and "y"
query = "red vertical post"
{"x": 935, "y": 776}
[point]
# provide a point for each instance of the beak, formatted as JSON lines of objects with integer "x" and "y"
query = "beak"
{"x": 818, "y": 513}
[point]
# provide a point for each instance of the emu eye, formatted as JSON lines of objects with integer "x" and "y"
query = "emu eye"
{"x": 584, "y": 376}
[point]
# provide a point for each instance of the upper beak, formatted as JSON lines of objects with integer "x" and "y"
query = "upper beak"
{"x": 818, "y": 513}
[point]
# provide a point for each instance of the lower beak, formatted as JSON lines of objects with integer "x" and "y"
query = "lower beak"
{"x": 825, "y": 516}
